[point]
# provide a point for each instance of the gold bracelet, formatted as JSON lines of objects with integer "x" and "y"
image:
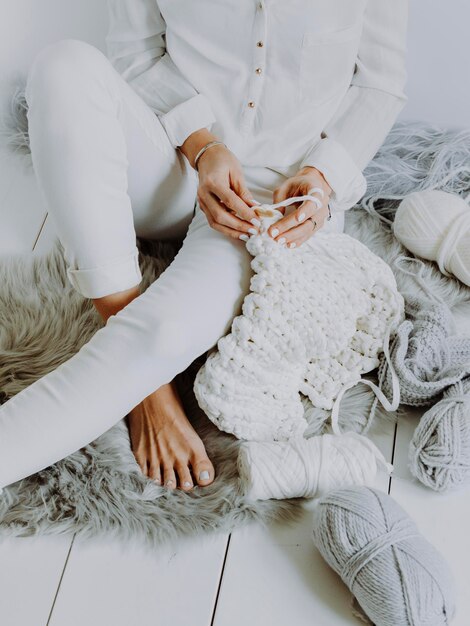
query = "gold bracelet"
{"x": 204, "y": 148}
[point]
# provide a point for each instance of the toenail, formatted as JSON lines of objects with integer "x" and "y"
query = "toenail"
{"x": 169, "y": 483}
{"x": 186, "y": 484}
{"x": 204, "y": 475}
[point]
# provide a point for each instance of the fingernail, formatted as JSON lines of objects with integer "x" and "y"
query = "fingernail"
{"x": 253, "y": 231}
{"x": 281, "y": 240}
{"x": 244, "y": 237}
{"x": 186, "y": 484}
{"x": 255, "y": 222}
{"x": 292, "y": 244}
{"x": 274, "y": 232}
{"x": 301, "y": 217}
{"x": 204, "y": 475}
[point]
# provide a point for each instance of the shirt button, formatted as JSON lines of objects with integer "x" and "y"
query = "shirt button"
{"x": 260, "y": 44}
{"x": 260, "y": 6}
{"x": 251, "y": 104}
{"x": 258, "y": 70}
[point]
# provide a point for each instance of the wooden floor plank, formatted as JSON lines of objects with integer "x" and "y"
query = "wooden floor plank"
{"x": 29, "y": 577}
{"x": 123, "y": 586}
{"x": 276, "y": 576}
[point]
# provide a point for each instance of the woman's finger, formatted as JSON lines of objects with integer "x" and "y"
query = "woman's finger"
{"x": 307, "y": 209}
{"x": 232, "y": 201}
{"x": 235, "y": 233}
{"x": 220, "y": 215}
{"x": 238, "y": 185}
{"x": 283, "y": 191}
{"x": 295, "y": 237}
{"x": 300, "y": 231}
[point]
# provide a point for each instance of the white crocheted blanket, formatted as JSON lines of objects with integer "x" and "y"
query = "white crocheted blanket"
{"x": 316, "y": 318}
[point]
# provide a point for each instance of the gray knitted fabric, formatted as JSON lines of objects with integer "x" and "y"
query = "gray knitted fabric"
{"x": 425, "y": 353}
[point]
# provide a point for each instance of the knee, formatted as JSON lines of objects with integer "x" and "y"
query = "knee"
{"x": 60, "y": 68}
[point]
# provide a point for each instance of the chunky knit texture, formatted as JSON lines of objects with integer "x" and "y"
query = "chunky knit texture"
{"x": 396, "y": 575}
{"x": 426, "y": 355}
{"x": 316, "y": 318}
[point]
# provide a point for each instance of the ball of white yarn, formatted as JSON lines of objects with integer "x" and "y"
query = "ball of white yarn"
{"x": 396, "y": 575}
{"x": 435, "y": 225}
{"x": 307, "y": 467}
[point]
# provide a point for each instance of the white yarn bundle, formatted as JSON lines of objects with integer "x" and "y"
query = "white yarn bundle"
{"x": 435, "y": 225}
{"x": 316, "y": 318}
{"x": 307, "y": 468}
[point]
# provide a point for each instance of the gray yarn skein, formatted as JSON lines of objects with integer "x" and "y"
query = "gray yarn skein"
{"x": 425, "y": 355}
{"x": 439, "y": 452}
{"x": 432, "y": 362}
{"x": 397, "y": 577}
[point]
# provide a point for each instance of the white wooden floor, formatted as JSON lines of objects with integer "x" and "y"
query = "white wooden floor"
{"x": 256, "y": 577}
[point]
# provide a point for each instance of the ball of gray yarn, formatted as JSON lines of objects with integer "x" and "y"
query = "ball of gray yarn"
{"x": 397, "y": 577}
{"x": 439, "y": 453}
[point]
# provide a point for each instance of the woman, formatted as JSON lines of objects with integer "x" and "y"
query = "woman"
{"x": 228, "y": 104}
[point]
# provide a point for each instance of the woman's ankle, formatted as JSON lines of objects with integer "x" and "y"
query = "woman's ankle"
{"x": 115, "y": 302}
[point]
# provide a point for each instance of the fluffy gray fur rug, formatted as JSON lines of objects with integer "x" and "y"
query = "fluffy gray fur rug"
{"x": 100, "y": 489}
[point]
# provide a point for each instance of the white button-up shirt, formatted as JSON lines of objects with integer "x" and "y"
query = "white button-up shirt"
{"x": 284, "y": 83}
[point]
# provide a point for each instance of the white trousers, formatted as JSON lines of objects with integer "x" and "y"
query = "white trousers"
{"x": 108, "y": 172}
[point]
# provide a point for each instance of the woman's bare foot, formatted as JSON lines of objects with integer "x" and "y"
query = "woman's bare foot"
{"x": 165, "y": 444}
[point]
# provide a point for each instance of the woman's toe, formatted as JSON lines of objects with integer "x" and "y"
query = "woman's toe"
{"x": 154, "y": 473}
{"x": 185, "y": 480}
{"x": 169, "y": 477}
{"x": 203, "y": 471}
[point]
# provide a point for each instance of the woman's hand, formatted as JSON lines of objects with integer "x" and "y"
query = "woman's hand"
{"x": 222, "y": 191}
{"x": 221, "y": 187}
{"x": 295, "y": 228}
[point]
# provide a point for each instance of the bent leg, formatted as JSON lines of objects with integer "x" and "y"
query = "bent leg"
{"x": 181, "y": 315}
{"x": 104, "y": 164}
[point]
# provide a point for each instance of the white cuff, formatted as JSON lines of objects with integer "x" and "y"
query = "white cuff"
{"x": 346, "y": 180}
{"x": 115, "y": 275}
{"x": 187, "y": 117}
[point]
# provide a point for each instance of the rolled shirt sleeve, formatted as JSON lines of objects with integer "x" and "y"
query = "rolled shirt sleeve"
{"x": 136, "y": 47}
{"x": 370, "y": 107}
